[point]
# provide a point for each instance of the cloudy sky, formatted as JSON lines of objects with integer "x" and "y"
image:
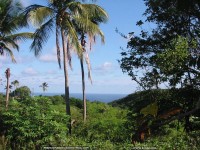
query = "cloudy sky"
{"x": 106, "y": 73}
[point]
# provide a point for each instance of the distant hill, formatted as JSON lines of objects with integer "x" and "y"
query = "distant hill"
{"x": 166, "y": 99}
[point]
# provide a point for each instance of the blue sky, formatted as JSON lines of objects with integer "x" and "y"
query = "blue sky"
{"x": 106, "y": 73}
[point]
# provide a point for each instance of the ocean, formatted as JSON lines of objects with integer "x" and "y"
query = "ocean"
{"x": 106, "y": 98}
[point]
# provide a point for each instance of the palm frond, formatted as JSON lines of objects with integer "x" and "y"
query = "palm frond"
{"x": 9, "y": 14}
{"x": 76, "y": 8}
{"x": 85, "y": 25}
{"x": 26, "y": 14}
{"x": 10, "y": 42}
{"x": 40, "y": 15}
{"x": 21, "y": 36}
{"x": 95, "y": 13}
{"x": 71, "y": 34}
{"x": 41, "y": 36}
{"x": 10, "y": 53}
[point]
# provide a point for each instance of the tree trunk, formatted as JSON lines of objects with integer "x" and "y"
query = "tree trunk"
{"x": 65, "y": 61}
{"x": 7, "y": 93}
{"x": 83, "y": 91}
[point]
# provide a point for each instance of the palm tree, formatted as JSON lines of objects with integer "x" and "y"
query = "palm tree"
{"x": 15, "y": 83}
{"x": 11, "y": 22}
{"x": 44, "y": 86}
{"x": 100, "y": 17}
{"x": 7, "y": 73}
{"x": 65, "y": 16}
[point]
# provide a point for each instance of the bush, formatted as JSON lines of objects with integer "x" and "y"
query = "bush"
{"x": 31, "y": 124}
{"x": 22, "y": 92}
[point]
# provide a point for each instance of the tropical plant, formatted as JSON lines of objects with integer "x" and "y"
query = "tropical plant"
{"x": 11, "y": 22}
{"x": 95, "y": 20}
{"x": 32, "y": 124}
{"x": 44, "y": 86}
{"x": 65, "y": 16}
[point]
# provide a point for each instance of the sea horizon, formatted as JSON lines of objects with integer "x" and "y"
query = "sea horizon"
{"x": 89, "y": 96}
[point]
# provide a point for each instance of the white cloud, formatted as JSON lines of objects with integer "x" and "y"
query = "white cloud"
{"x": 104, "y": 67}
{"x": 107, "y": 65}
{"x": 30, "y": 71}
{"x": 48, "y": 58}
{"x": 52, "y": 72}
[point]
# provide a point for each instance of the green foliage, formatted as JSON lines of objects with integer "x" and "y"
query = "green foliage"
{"x": 174, "y": 59}
{"x": 168, "y": 52}
{"x": 76, "y": 102}
{"x": 22, "y": 92}
{"x": 175, "y": 139}
{"x": 31, "y": 124}
{"x": 170, "y": 103}
{"x": 103, "y": 123}
{"x": 56, "y": 100}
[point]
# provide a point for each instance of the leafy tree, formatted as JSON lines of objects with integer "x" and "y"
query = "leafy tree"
{"x": 172, "y": 19}
{"x": 44, "y": 86}
{"x": 23, "y": 92}
{"x": 65, "y": 16}
{"x": 169, "y": 52}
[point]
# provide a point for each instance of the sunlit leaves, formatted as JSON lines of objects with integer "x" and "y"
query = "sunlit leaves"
{"x": 175, "y": 58}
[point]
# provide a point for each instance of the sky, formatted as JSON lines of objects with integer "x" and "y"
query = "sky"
{"x": 106, "y": 73}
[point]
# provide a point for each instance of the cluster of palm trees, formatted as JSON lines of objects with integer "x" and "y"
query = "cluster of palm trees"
{"x": 75, "y": 23}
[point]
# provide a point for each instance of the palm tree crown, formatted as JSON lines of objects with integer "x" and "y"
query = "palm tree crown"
{"x": 10, "y": 22}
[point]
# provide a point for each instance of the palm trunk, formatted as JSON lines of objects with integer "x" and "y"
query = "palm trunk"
{"x": 83, "y": 91}
{"x": 7, "y": 93}
{"x": 67, "y": 100}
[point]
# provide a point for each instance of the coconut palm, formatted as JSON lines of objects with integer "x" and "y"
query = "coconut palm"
{"x": 44, "y": 86}
{"x": 15, "y": 83}
{"x": 64, "y": 16}
{"x": 101, "y": 17}
{"x": 9, "y": 24}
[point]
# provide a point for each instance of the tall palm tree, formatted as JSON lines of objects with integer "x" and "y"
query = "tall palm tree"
{"x": 100, "y": 17}
{"x": 9, "y": 24}
{"x": 44, "y": 86}
{"x": 7, "y": 73}
{"x": 15, "y": 83}
{"x": 64, "y": 16}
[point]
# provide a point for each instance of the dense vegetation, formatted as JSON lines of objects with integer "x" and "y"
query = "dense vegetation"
{"x": 37, "y": 122}
{"x": 152, "y": 118}
{"x": 159, "y": 118}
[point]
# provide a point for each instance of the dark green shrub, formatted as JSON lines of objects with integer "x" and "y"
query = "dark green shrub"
{"x": 22, "y": 92}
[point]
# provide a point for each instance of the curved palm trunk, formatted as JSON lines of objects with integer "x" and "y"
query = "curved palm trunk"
{"x": 83, "y": 91}
{"x": 67, "y": 100}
